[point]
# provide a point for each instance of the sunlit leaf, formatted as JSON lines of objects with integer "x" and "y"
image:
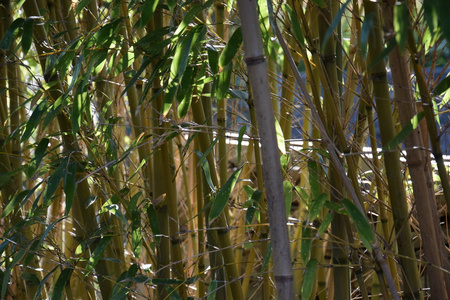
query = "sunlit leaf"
{"x": 147, "y": 11}
{"x": 212, "y": 288}
{"x": 224, "y": 82}
{"x": 314, "y": 181}
{"x": 136, "y": 235}
{"x": 317, "y": 205}
{"x": 306, "y": 243}
{"x": 231, "y": 48}
{"x": 280, "y": 137}
{"x": 13, "y": 203}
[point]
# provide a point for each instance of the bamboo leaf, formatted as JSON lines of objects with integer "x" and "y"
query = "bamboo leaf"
{"x": 185, "y": 91}
{"x": 224, "y": 82}
{"x": 212, "y": 288}
{"x": 63, "y": 279}
{"x": 34, "y": 120}
{"x": 254, "y": 200}
{"x": 221, "y": 199}
{"x": 325, "y": 223}
{"x": 193, "y": 11}
{"x": 365, "y": 33}
{"x": 43, "y": 281}
{"x": 401, "y": 21}
{"x": 309, "y": 279}
{"x": 240, "y": 137}
{"x": 231, "y": 48}
{"x": 306, "y": 243}
{"x": 442, "y": 86}
{"x": 405, "y": 132}
{"x": 266, "y": 259}
{"x": 7, "y": 39}
{"x": 136, "y": 235}
{"x": 39, "y": 153}
{"x": 121, "y": 289}
{"x": 320, "y": 3}
{"x": 442, "y": 8}
{"x": 147, "y": 11}
{"x": 336, "y": 20}
{"x": 362, "y": 225}
{"x": 295, "y": 24}
{"x": 96, "y": 255}
{"x": 54, "y": 180}
{"x": 280, "y": 137}
{"x": 313, "y": 173}
{"x": 82, "y": 4}
{"x": 287, "y": 187}
{"x": 317, "y": 205}
{"x": 13, "y": 203}
{"x": 154, "y": 224}
{"x": 27, "y": 35}
{"x": 213, "y": 58}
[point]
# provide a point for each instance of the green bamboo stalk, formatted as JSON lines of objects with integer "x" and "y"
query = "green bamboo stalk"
{"x": 412, "y": 286}
{"x": 419, "y": 165}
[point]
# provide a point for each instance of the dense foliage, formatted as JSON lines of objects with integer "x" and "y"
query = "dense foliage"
{"x": 130, "y": 157}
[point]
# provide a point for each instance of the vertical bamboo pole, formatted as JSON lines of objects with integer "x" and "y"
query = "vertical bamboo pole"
{"x": 254, "y": 57}
{"x": 397, "y": 195}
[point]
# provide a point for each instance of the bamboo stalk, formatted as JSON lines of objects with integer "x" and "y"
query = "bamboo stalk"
{"x": 254, "y": 57}
{"x": 397, "y": 195}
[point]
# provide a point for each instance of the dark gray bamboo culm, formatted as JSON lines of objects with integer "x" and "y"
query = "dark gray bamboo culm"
{"x": 334, "y": 157}
{"x": 273, "y": 177}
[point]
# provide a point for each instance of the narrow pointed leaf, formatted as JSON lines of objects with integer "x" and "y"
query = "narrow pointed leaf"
{"x": 336, "y": 20}
{"x": 97, "y": 254}
{"x": 317, "y": 205}
{"x": 147, "y": 11}
{"x": 287, "y": 187}
{"x": 231, "y": 48}
{"x": 401, "y": 20}
{"x": 54, "y": 181}
{"x": 27, "y": 35}
{"x": 309, "y": 278}
{"x": 306, "y": 243}
{"x": 405, "y": 132}
{"x": 221, "y": 199}
{"x": 295, "y": 24}
{"x": 314, "y": 182}
{"x": 7, "y": 39}
{"x": 362, "y": 225}
{"x": 58, "y": 289}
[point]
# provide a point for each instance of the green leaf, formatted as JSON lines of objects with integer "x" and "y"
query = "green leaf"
{"x": 43, "y": 281}
{"x": 154, "y": 224}
{"x": 280, "y": 137}
{"x": 96, "y": 255}
{"x": 405, "y": 132}
{"x": 221, "y": 199}
{"x": 431, "y": 14}
{"x": 384, "y": 53}
{"x": 254, "y": 199}
{"x": 82, "y": 4}
{"x": 224, "y": 82}
{"x": 13, "y": 203}
{"x": 147, "y": 11}
{"x": 309, "y": 279}
{"x": 34, "y": 120}
{"x": 443, "y": 7}
{"x": 136, "y": 235}
{"x": 266, "y": 259}
{"x": 231, "y": 48}
{"x": 54, "y": 180}
{"x": 317, "y": 205}
{"x": 295, "y": 24}
{"x": 242, "y": 131}
{"x": 185, "y": 91}
{"x": 63, "y": 279}
{"x": 314, "y": 181}
{"x": 401, "y": 21}
{"x": 7, "y": 39}
{"x": 212, "y": 288}
{"x": 213, "y": 58}
{"x": 306, "y": 243}
{"x": 39, "y": 154}
{"x": 70, "y": 184}
{"x": 336, "y": 21}
{"x": 121, "y": 289}
{"x": 27, "y": 35}
{"x": 362, "y": 225}
{"x": 365, "y": 33}
{"x": 325, "y": 223}
{"x": 193, "y": 11}
{"x": 31, "y": 278}
{"x": 287, "y": 187}
{"x": 442, "y": 86}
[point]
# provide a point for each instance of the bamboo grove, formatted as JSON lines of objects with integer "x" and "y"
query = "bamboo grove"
{"x": 224, "y": 150}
